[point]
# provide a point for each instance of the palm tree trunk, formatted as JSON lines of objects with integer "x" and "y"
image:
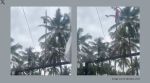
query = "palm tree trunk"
{"x": 53, "y": 72}
{"x": 97, "y": 68}
{"x": 131, "y": 56}
{"x": 54, "y": 69}
{"x": 123, "y": 68}
{"x": 109, "y": 66}
{"x": 132, "y": 65}
{"x": 115, "y": 64}
{"x": 29, "y": 63}
{"x": 44, "y": 71}
{"x": 137, "y": 73}
{"x": 102, "y": 64}
{"x": 40, "y": 71}
{"x": 60, "y": 70}
{"x": 86, "y": 68}
{"x": 60, "y": 61}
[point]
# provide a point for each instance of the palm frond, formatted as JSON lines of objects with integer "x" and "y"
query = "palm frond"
{"x": 113, "y": 27}
{"x": 45, "y": 36}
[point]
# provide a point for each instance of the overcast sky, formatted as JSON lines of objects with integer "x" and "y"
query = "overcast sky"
{"x": 87, "y": 18}
{"x": 19, "y": 29}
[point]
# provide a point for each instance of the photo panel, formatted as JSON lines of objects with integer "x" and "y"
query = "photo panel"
{"x": 108, "y": 40}
{"x": 40, "y": 41}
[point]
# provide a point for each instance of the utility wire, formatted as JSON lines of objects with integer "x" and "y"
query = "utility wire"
{"x": 100, "y": 22}
{"x": 28, "y": 27}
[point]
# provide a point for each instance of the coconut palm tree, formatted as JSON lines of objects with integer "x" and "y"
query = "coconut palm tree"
{"x": 135, "y": 66}
{"x": 87, "y": 58}
{"x": 100, "y": 51}
{"x": 127, "y": 29}
{"x": 56, "y": 37}
{"x": 31, "y": 58}
{"x": 123, "y": 62}
{"x": 120, "y": 47}
{"x": 84, "y": 54}
{"x": 130, "y": 16}
{"x": 82, "y": 42}
{"x": 16, "y": 59}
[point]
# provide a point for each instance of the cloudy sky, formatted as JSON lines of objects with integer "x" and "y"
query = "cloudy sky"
{"x": 87, "y": 18}
{"x": 19, "y": 29}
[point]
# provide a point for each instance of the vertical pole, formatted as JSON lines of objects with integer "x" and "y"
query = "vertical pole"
{"x": 45, "y": 36}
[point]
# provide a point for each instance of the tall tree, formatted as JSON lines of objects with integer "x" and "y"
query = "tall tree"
{"x": 127, "y": 31}
{"x": 16, "y": 59}
{"x": 81, "y": 42}
{"x": 31, "y": 58}
{"x": 56, "y": 37}
{"x": 100, "y": 52}
{"x": 84, "y": 52}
